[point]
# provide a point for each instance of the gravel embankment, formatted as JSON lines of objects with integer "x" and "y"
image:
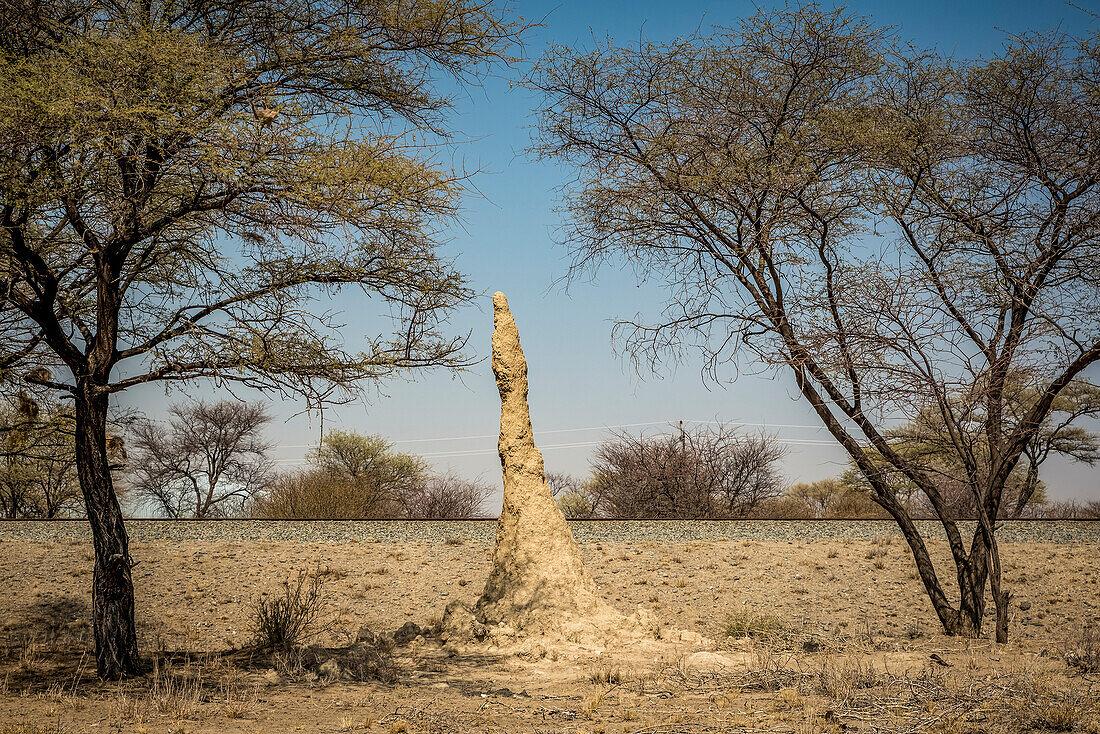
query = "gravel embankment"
{"x": 484, "y": 531}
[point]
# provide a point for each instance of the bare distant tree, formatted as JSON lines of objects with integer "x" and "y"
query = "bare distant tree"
{"x": 576, "y": 498}
{"x": 208, "y": 461}
{"x": 698, "y": 473}
{"x": 890, "y": 228}
{"x": 562, "y": 483}
{"x": 447, "y": 496}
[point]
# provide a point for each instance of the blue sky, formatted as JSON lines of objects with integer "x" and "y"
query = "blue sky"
{"x": 577, "y": 379}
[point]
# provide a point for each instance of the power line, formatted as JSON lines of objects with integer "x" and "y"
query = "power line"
{"x": 549, "y": 447}
{"x": 588, "y": 428}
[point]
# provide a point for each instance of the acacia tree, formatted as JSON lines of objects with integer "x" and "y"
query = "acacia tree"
{"x": 1059, "y": 435}
{"x": 208, "y": 461}
{"x": 352, "y": 476}
{"x": 928, "y": 442}
{"x": 891, "y": 228}
{"x": 180, "y": 183}
{"x": 697, "y": 473}
{"x": 37, "y": 459}
{"x": 447, "y": 497}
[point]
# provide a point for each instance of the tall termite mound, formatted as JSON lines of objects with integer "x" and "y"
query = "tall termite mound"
{"x": 538, "y": 582}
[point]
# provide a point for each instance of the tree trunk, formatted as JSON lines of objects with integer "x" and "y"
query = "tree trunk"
{"x": 112, "y": 585}
{"x": 1031, "y": 483}
{"x": 966, "y": 620}
{"x": 971, "y": 596}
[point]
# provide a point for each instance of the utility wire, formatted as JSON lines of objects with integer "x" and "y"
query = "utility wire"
{"x": 575, "y": 430}
{"x": 548, "y": 447}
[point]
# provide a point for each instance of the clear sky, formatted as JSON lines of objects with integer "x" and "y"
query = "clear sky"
{"x": 579, "y": 384}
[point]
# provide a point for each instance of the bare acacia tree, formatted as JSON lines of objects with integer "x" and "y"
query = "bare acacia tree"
{"x": 697, "y": 473}
{"x": 181, "y": 182}
{"x": 891, "y": 228}
{"x": 447, "y": 496}
{"x": 208, "y": 461}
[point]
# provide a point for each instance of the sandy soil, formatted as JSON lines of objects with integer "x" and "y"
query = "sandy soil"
{"x": 848, "y": 642}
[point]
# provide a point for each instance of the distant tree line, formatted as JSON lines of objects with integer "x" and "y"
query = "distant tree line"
{"x": 211, "y": 459}
{"x": 716, "y": 472}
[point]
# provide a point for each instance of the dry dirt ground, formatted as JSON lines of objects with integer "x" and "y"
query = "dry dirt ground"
{"x": 824, "y": 636}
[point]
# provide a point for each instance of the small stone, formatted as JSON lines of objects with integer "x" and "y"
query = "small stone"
{"x": 1024, "y": 606}
{"x": 272, "y": 678}
{"x": 459, "y": 624}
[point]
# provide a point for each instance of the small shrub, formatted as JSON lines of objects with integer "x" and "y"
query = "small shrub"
{"x": 1082, "y": 652}
{"x": 607, "y": 676}
{"x": 1061, "y": 714}
{"x": 290, "y": 618}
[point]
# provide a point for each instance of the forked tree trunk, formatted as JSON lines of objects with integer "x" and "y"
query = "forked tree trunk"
{"x": 112, "y": 586}
{"x": 965, "y": 620}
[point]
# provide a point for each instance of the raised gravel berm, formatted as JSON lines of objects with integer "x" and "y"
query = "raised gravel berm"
{"x": 484, "y": 531}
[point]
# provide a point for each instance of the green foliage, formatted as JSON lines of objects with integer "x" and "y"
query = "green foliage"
{"x": 355, "y": 456}
{"x": 578, "y": 503}
{"x": 836, "y": 497}
{"x": 37, "y": 459}
{"x": 357, "y": 476}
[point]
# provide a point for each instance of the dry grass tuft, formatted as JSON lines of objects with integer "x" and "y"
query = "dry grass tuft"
{"x": 288, "y": 619}
{"x": 757, "y": 626}
{"x": 1082, "y": 651}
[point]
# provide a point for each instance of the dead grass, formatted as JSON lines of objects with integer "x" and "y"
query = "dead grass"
{"x": 757, "y": 626}
{"x": 31, "y": 728}
{"x": 1082, "y": 651}
{"x": 856, "y": 695}
{"x": 843, "y": 654}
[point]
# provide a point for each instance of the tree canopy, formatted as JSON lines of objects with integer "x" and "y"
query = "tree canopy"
{"x": 183, "y": 185}
{"x": 890, "y": 227}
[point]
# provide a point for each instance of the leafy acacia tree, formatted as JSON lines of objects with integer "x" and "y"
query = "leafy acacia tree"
{"x": 37, "y": 459}
{"x": 890, "y": 228}
{"x": 208, "y": 461}
{"x": 383, "y": 479}
{"x": 1059, "y": 435}
{"x": 351, "y": 476}
{"x": 180, "y": 183}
